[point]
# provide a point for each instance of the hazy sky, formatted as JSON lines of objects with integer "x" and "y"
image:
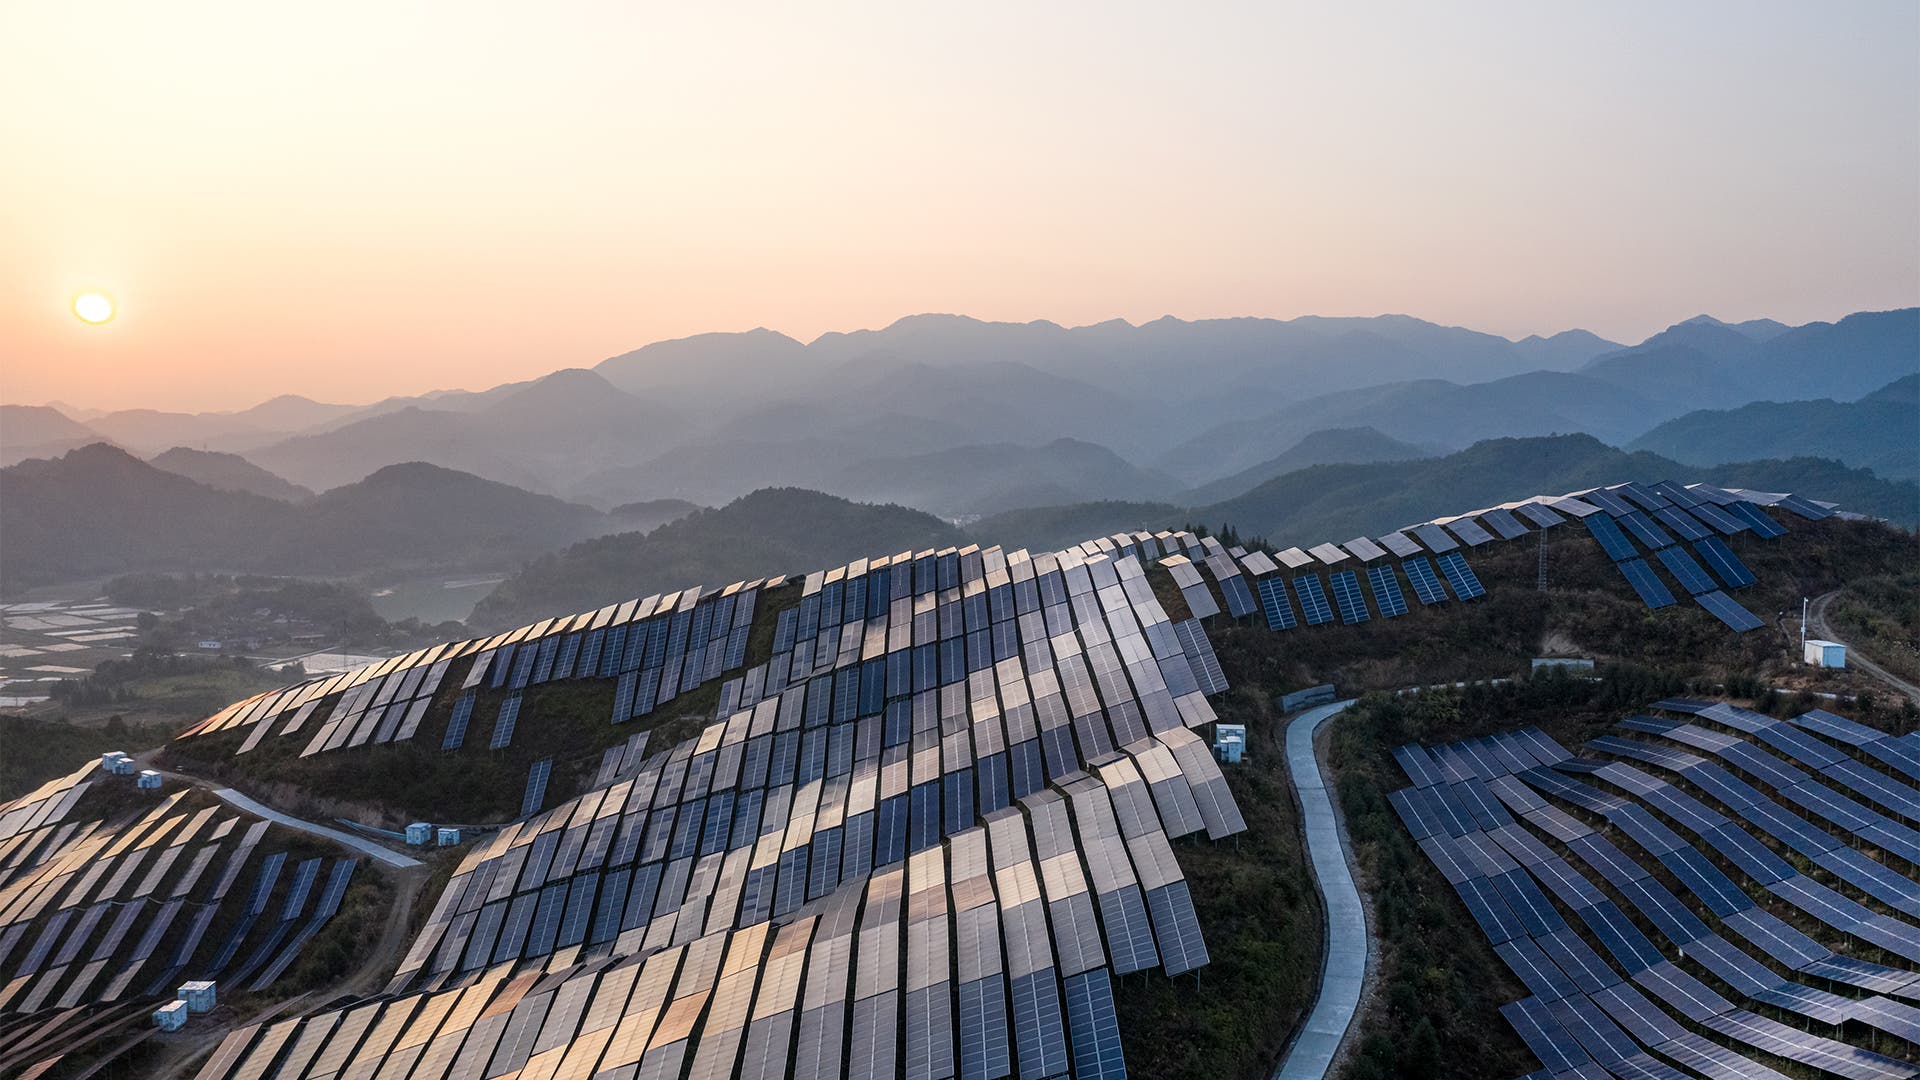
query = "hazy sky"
{"x": 349, "y": 200}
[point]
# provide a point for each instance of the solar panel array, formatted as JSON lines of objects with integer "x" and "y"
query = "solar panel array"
{"x": 918, "y": 845}
{"x": 106, "y": 905}
{"x": 1646, "y": 981}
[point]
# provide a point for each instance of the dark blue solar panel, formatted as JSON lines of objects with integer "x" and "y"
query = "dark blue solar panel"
{"x": 1273, "y": 600}
{"x": 504, "y": 723}
{"x": 1346, "y": 593}
{"x": 1313, "y": 599}
{"x": 1612, "y": 540}
{"x": 1762, "y": 523}
{"x": 1728, "y": 611}
{"x": 1239, "y": 598}
{"x": 1094, "y": 1026}
{"x": 1123, "y": 913}
{"x": 1724, "y": 562}
{"x": 536, "y": 786}
{"x": 1460, "y": 577}
{"x": 1652, "y": 591}
{"x": 1644, "y": 530}
{"x": 623, "y": 696}
{"x": 1805, "y": 508}
{"x": 1681, "y": 566}
{"x": 1426, "y": 584}
{"x": 982, "y": 1034}
{"x": 1386, "y": 590}
{"x": 1038, "y": 1030}
{"x": 457, "y": 727}
{"x": 1682, "y": 522}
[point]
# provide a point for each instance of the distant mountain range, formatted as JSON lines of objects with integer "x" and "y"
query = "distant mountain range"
{"x": 1880, "y": 432}
{"x": 1147, "y": 411}
{"x": 770, "y": 532}
{"x": 98, "y": 511}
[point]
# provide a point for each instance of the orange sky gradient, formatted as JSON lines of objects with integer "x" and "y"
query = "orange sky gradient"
{"x": 355, "y": 200}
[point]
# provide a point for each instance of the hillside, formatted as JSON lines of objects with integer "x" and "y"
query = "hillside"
{"x": 773, "y": 531}
{"x": 650, "y": 514}
{"x": 1334, "y": 502}
{"x": 1880, "y": 432}
{"x": 1355, "y": 445}
{"x": 1714, "y": 366}
{"x": 228, "y": 472}
{"x": 28, "y": 431}
{"x": 538, "y": 436}
{"x": 973, "y": 480}
{"x": 99, "y": 511}
{"x": 1045, "y": 528}
{"x": 1425, "y": 411}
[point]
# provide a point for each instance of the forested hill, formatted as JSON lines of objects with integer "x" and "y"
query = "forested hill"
{"x": 771, "y": 531}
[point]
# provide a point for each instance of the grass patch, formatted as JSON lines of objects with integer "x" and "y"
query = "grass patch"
{"x": 1881, "y": 616}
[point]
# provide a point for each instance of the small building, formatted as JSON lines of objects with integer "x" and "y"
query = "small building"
{"x": 110, "y": 761}
{"x": 1229, "y": 742}
{"x": 448, "y": 837}
{"x": 1568, "y": 662}
{"x": 199, "y": 995}
{"x": 1824, "y": 653}
{"x": 210, "y": 646}
{"x": 419, "y": 833}
{"x": 170, "y": 1017}
{"x": 149, "y": 780}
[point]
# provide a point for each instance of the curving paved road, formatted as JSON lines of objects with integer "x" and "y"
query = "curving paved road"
{"x": 385, "y": 855}
{"x": 1344, "y": 970}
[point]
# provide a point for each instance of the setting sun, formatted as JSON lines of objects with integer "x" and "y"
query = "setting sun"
{"x": 92, "y": 307}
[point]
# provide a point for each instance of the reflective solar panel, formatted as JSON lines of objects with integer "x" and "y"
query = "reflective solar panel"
{"x": 457, "y": 726}
{"x": 1612, "y": 540}
{"x": 1426, "y": 584}
{"x": 1731, "y": 571}
{"x": 1434, "y": 537}
{"x": 1313, "y": 599}
{"x": 1504, "y": 523}
{"x": 1469, "y": 530}
{"x": 1386, "y": 590}
{"x": 1683, "y": 523}
{"x": 503, "y": 723}
{"x": 1346, "y": 593}
{"x": 1685, "y": 570}
{"x": 1729, "y": 611}
{"x": 1763, "y": 525}
{"x": 1643, "y": 529}
{"x": 1651, "y": 590}
{"x": 536, "y": 786}
{"x": 1273, "y": 600}
{"x": 1460, "y": 577}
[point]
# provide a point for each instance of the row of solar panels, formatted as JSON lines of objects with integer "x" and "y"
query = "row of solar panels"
{"x": 939, "y": 967}
{"x": 85, "y": 907}
{"x": 898, "y": 780}
{"x": 1462, "y": 809}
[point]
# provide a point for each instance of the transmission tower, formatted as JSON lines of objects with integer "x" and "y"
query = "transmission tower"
{"x": 1541, "y": 580}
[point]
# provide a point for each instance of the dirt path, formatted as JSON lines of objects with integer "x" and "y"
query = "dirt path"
{"x": 1817, "y": 627}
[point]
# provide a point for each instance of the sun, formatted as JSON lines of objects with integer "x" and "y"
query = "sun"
{"x": 93, "y": 308}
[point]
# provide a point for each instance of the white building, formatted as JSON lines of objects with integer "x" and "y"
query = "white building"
{"x": 170, "y": 1017}
{"x": 419, "y": 832}
{"x": 199, "y": 995}
{"x": 149, "y": 780}
{"x": 1824, "y": 653}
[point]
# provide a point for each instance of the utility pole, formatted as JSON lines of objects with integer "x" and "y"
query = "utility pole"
{"x": 1803, "y": 628}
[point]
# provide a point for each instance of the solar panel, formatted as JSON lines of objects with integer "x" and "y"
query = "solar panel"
{"x": 1435, "y": 538}
{"x": 1386, "y": 590}
{"x": 1644, "y": 530}
{"x": 1682, "y": 522}
{"x": 1724, "y": 562}
{"x": 1400, "y": 544}
{"x": 1094, "y": 1027}
{"x": 1805, "y": 508}
{"x": 1426, "y": 584}
{"x": 1612, "y": 540}
{"x": 457, "y": 726}
{"x": 1460, "y": 577}
{"x": 1652, "y": 591}
{"x": 1273, "y": 600}
{"x": 1681, "y": 566}
{"x": 1346, "y": 593}
{"x": 503, "y": 723}
{"x": 536, "y": 786}
{"x": 1469, "y": 530}
{"x": 1539, "y": 514}
{"x": 1313, "y": 599}
{"x": 1200, "y": 656}
{"x": 1504, "y": 523}
{"x": 1719, "y": 518}
{"x": 1239, "y": 598}
{"x": 1724, "y": 608}
{"x": 1762, "y": 524}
